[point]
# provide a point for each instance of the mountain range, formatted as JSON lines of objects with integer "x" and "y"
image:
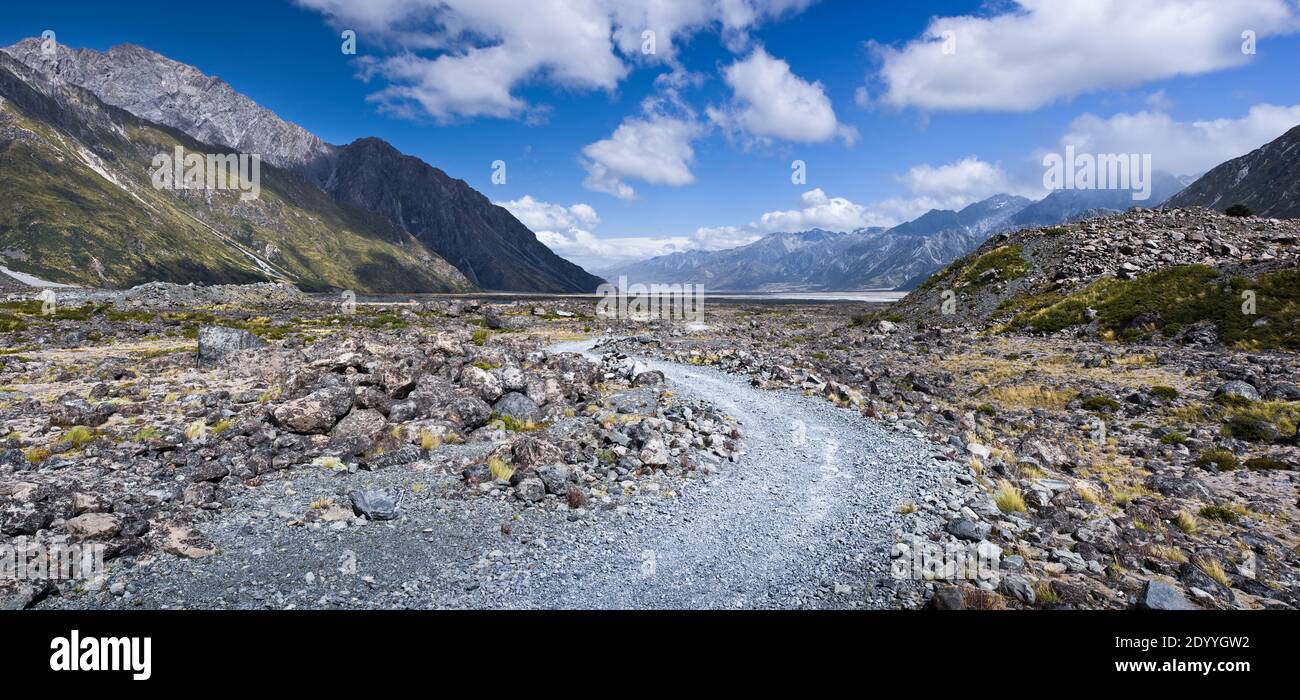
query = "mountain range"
{"x": 78, "y": 132}
{"x": 877, "y": 258}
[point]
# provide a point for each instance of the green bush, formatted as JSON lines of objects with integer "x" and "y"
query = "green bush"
{"x": 1223, "y": 460}
{"x": 1168, "y": 393}
{"x": 1220, "y": 513}
{"x": 1103, "y": 404}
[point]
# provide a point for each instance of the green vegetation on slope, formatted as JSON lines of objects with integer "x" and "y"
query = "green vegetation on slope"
{"x": 1170, "y": 300}
{"x": 63, "y": 221}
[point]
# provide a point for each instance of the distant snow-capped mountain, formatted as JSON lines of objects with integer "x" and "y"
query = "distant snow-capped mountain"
{"x": 818, "y": 260}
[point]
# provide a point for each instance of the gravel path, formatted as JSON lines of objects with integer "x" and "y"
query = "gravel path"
{"x": 804, "y": 519}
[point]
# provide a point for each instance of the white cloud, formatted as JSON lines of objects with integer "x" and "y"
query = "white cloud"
{"x": 821, "y": 211}
{"x": 770, "y": 101}
{"x": 1043, "y": 50}
{"x": 485, "y": 49}
{"x": 540, "y": 216}
{"x": 569, "y": 232}
{"x": 656, "y": 149}
{"x": 1181, "y": 148}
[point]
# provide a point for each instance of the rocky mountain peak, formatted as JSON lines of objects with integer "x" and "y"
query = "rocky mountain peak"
{"x": 161, "y": 90}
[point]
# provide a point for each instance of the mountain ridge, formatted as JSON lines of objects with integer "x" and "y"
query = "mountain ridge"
{"x": 484, "y": 241}
{"x": 1266, "y": 180}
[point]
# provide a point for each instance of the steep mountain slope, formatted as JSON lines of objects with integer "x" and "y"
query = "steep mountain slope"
{"x": 823, "y": 260}
{"x": 487, "y": 244}
{"x": 1267, "y": 180}
{"x": 1065, "y": 206}
{"x": 484, "y": 241}
{"x": 1181, "y": 272}
{"x": 77, "y": 205}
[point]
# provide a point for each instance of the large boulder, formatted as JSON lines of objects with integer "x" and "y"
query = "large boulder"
{"x": 467, "y": 412}
{"x": 94, "y": 526}
{"x": 517, "y": 406}
{"x": 530, "y": 452}
{"x": 216, "y": 343}
{"x": 73, "y": 410}
{"x": 361, "y": 422}
{"x": 315, "y": 413}
{"x": 1238, "y": 389}
{"x": 377, "y": 504}
{"x": 483, "y": 383}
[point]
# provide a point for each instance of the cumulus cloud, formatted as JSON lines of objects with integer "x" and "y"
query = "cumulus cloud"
{"x": 770, "y": 102}
{"x": 465, "y": 58}
{"x": 1039, "y": 51}
{"x": 541, "y": 216}
{"x": 821, "y": 211}
{"x": 1181, "y": 148}
{"x": 655, "y": 149}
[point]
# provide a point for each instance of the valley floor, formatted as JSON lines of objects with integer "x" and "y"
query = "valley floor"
{"x": 783, "y": 457}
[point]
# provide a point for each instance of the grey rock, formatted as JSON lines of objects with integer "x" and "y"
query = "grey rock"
{"x": 216, "y": 343}
{"x": 517, "y": 406}
{"x": 1238, "y": 389}
{"x": 1162, "y": 596}
{"x": 377, "y": 504}
{"x": 531, "y": 489}
{"x": 970, "y": 530}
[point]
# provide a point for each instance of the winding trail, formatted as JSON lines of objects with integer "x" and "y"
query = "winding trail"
{"x": 804, "y": 519}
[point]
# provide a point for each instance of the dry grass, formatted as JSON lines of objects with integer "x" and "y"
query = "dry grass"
{"x": 196, "y": 431}
{"x": 500, "y": 469}
{"x": 1187, "y": 522}
{"x": 977, "y": 599}
{"x": 1214, "y": 570}
{"x": 1030, "y": 396}
{"x": 1009, "y": 498}
{"x": 1168, "y": 553}
{"x": 429, "y": 441}
{"x": 1044, "y": 594}
{"x": 1087, "y": 494}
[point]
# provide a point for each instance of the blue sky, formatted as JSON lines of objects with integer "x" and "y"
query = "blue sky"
{"x": 595, "y": 136}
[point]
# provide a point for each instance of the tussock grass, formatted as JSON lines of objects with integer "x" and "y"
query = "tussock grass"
{"x": 1030, "y": 396}
{"x": 1214, "y": 570}
{"x": 78, "y": 436}
{"x": 1009, "y": 498}
{"x": 1168, "y": 553}
{"x": 1187, "y": 522}
{"x": 198, "y": 430}
{"x": 500, "y": 469}
{"x": 1087, "y": 494}
{"x": 429, "y": 441}
{"x": 1223, "y": 460}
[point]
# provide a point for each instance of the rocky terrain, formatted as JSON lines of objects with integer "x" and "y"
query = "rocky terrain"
{"x": 1094, "y": 414}
{"x": 132, "y": 423}
{"x": 1131, "y": 425}
{"x": 251, "y": 446}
